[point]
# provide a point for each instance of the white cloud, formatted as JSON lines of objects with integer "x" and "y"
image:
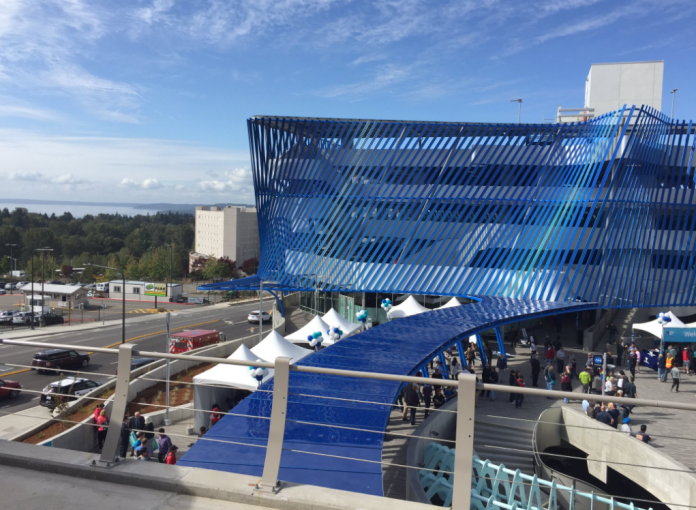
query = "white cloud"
{"x": 28, "y": 175}
{"x": 238, "y": 180}
{"x": 26, "y": 112}
{"x": 68, "y": 179}
{"x": 129, "y": 183}
{"x": 214, "y": 185}
{"x": 151, "y": 184}
{"x": 386, "y": 77}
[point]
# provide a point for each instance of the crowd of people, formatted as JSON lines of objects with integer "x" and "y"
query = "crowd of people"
{"x": 137, "y": 436}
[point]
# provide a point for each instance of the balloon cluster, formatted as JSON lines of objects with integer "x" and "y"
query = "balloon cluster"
{"x": 663, "y": 318}
{"x": 386, "y": 304}
{"x": 315, "y": 339}
{"x": 334, "y": 334}
{"x": 258, "y": 373}
{"x": 362, "y": 316}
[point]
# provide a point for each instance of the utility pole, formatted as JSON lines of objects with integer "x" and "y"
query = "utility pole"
{"x": 674, "y": 95}
{"x": 31, "y": 301}
{"x": 11, "y": 246}
{"x": 519, "y": 109}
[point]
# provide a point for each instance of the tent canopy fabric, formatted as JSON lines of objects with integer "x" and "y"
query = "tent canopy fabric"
{"x": 334, "y": 320}
{"x": 316, "y": 324}
{"x": 406, "y": 309}
{"x": 655, "y": 328}
{"x": 275, "y": 346}
{"x": 452, "y": 302}
{"x": 216, "y": 385}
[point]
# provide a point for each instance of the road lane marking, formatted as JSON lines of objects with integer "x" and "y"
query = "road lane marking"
{"x": 128, "y": 340}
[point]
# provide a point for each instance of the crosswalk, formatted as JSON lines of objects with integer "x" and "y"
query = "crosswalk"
{"x": 147, "y": 311}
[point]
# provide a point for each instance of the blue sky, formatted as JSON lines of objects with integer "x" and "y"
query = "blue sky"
{"x": 146, "y": 100}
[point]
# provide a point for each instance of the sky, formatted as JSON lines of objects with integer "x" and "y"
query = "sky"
{"x": 146, "y": 100}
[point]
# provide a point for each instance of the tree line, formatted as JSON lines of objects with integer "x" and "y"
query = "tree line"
{"x": 143, "y": 246}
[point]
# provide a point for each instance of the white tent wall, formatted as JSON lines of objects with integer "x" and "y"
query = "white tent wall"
{"x": 334, "y": 320}
{"x": 317, "y": 324}
{"x": 409, "y": 307}
{"x": 205, "y": 396}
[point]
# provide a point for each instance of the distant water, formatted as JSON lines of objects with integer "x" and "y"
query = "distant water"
{"x": 77, "y": 211}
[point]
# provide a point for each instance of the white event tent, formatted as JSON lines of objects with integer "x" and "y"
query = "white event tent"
{"x": 316, "y": 324}
{"x": 224, "y": 384}
{"x": 655, "y": 328}
{"x": 232, "y": 377}
{"x": 334, "y": 320}
{"x": 451, "y": 303}
{"x": 409, "y": 307}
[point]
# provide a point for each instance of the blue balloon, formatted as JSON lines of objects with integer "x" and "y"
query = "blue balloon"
{"x": 310, "y": 337}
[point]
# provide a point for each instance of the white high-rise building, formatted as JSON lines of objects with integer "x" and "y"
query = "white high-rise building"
{"x": 610, "y": 86}
{"x": 230, "y": 231}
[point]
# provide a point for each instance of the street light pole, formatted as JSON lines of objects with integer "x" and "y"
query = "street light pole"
{"x": 123, "y": 295}
{"x": 167, "y": 422}
{"x": 674, "y": 94}
{"x": 11, "y": 246}
{"x": 261, "y": 311}
{"x": 519, "y": 109}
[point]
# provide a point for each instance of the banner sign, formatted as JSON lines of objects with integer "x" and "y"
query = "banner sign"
{"x": 682, "y": 335}
{"x": 156, "y": 289}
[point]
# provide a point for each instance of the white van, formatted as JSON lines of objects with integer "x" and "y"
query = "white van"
{"x": 103, "y": 287}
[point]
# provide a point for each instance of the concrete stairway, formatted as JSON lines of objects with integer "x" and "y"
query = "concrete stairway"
{"x": 491, "y": 432}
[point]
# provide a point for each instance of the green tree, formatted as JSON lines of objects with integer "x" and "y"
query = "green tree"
{"x": 215, "y": 268}
{"x": 41, "y": 237}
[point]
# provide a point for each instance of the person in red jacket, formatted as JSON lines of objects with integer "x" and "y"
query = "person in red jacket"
{"x": 519, "y": 397}
{"x": 171, "y": 456}
{"x": 97, "y": 412}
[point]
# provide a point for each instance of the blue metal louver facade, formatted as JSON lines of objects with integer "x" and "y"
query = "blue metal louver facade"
{"x": 602, "y": 210}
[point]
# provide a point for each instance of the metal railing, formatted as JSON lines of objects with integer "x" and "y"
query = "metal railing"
{"x": 464, "y": 496}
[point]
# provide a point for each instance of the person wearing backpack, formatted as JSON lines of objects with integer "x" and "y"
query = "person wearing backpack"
{"x": 566, "y": 384}
{"x": 550, "y": 378}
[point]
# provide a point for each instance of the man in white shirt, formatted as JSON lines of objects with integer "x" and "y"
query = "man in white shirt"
{"x": 626, "y": 426}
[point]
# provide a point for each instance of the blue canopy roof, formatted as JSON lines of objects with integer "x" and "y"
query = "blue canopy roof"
{"x": 252, "y": 282}
{"x": 397, "y": 347}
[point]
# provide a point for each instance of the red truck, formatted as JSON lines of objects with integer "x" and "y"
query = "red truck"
{"x": 189, "y": 340}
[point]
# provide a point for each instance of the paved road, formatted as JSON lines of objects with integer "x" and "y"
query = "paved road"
{"x": 148, "y": 335}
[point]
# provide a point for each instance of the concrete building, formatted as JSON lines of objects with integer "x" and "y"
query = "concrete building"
{"x": 55, "y": 296}
{"x": 144, "y": 291}
{"x": 610, "y": 86}
{"x": 230, "y": 231}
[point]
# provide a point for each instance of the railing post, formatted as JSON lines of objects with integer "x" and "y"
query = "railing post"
{"x": 109, "y": 455}
{"x": 466, "y": 403}
{"x": 276, "y": 431}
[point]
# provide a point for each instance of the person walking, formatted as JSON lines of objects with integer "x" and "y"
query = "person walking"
{"x": 427, "y": 398}
{"x": 493, "y": 379}
{"x": 626, "y": 426}
{"x": 566, "y": 384}
{"x": 585, "y": 380}
{"x": 661, "y": 368}
{"x": 215, "y": 416}
{"x": 536, "y": 369}
{"x": 619, "y": 353}
{"x": 632, "y": 363}
{"x": 412, "y": 401}
{"x": 470, "y": 356}
{"x": 549, "y": 353}
{"x": 513, "y": 382}
{"x": 643, "y": 436}
{"x": 687, "y": 354}
{"x": 486, "y": 379}
{"x": 125, "y": 436}
{"x": 612, "y": 332}
{"x": 97, "y": 411}
{"x": 164, "y": 444}
{"x": 102, "y": 423}
{"x": 438, "y": 398}
{"x": 455, "y": 368}
{"x": 171, "y": 456}
{"x": 502, "y": 366}
{"x": 532, "y": 345}
{"x": 676, "y": 374}
{"x": 519, "y": 397}
{"x": 550, "y": 378}
{"x": 560, "y": 360}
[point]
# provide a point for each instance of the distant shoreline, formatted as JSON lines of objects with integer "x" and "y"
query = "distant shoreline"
{"x": 159, "y": 207}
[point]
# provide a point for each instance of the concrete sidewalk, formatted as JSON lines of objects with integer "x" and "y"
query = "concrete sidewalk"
{"x": 29, "y": 490}
{"x": 12, "y": 425}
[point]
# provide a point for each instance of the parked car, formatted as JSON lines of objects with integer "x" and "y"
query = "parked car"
{"x": 22, "y": 318}
{"x": 6, "y": 315}
{"x": 55, "y": 359}
{"x": 10, "y": 286}
{"x": 254, "y": 316}
{"x": 65, "y": 390}
{"x": 9, "y": 388}
{"x": 51, "y": 319}
{"x": 140, "y": 362}
{"x": 3, "y": 292}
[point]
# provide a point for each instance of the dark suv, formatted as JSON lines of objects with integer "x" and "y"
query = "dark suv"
{"x": 66, "y": 390}
{"x": 56, "y": 359}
